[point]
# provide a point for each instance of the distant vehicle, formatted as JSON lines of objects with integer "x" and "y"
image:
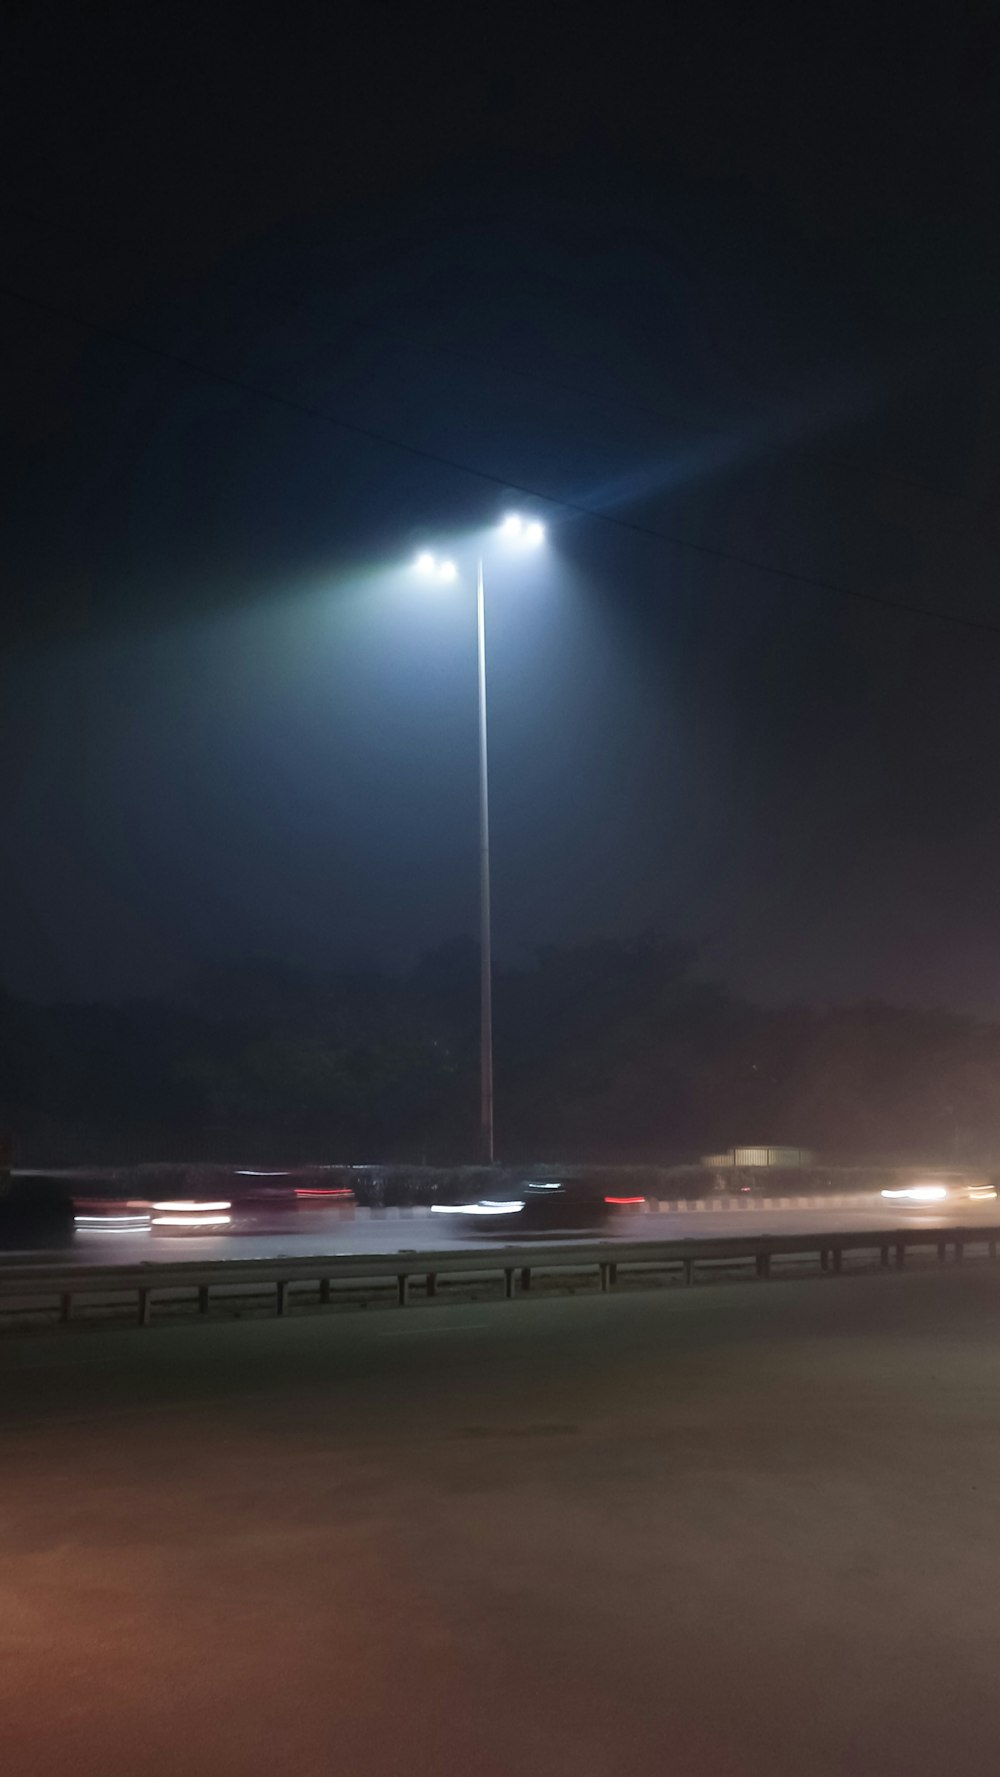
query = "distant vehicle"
{"x": 569, "y": 1204}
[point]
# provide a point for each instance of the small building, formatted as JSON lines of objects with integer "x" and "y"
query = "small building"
{"x": 771, "y": 1157}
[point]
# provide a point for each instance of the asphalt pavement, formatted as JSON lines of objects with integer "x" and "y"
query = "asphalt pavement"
{"x": 725, "y": 1533}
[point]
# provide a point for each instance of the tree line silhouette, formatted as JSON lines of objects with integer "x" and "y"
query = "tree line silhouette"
{"x": 608, "y": 1050}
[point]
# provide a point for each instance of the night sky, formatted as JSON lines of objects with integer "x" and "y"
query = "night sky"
{"x": 721, "y": 274}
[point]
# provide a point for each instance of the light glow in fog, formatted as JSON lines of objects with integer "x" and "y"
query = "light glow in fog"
{"x": 919, "y": 1193}
{"x": 477, "y": 1209}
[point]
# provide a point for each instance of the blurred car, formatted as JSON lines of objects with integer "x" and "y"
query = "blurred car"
{"x": 565, "y": 1205}
{"x": 111, "y": 1215}
{"x": 268, "y": 1200}
{"x": 934, "y": 1191}
{"x": 191, "y": 1215}
{"x": 249, "y": 1200}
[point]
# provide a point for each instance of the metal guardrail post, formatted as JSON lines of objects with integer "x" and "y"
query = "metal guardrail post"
{"x": 525, "y": 1277}
{"x": 508, "y": 1283}
{"x": 403, "y": 1288}
{"x": 145, "y": 1306}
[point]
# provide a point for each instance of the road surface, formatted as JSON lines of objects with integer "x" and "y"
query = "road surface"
{"x": 740, "y": 1533}
{"x": 336, "y": 1231}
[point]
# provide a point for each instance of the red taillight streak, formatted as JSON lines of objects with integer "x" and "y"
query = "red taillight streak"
{"x": 624, "y": 1199}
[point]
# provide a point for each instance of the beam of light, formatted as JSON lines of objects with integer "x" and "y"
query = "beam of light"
{"x": 112, "y": 1224}
{"x": 102, "y": 1231}
{"x": 192, "y": 1221}
{"x": 447, "y": 571}
{"x": 190, "y": 1203}
{"x": 805, "y": 425}
{"x": 425, "y": 563}
{"x": 919, "y": 1193}
{"x": 512, "y": 525}
{"x": 535, "y": 533}
{"x": 477, "y": 1209}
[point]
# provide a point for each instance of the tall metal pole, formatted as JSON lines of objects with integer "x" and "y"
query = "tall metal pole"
{"x": 485, "y": 946}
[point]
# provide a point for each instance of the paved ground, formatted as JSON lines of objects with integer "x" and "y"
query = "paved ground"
{"x": 730, "y": 1532}
{"x": 333, "y": 1231}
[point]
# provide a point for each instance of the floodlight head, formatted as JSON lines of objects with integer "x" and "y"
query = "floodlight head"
{"x": 526, "y": 531}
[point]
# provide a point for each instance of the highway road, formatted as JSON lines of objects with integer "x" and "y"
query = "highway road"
{"x": 337, "y": 1231}
{"x": 739, "y": 1533}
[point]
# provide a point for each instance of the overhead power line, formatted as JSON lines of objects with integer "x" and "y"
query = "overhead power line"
{"x": 290, "y": 305}
{"x": 634, "y": 527}
{"x": 623, "y": 404}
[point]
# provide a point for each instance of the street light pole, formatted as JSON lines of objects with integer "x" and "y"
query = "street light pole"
{"x": 524, "y": 533}
{"x": 485, "y": 937}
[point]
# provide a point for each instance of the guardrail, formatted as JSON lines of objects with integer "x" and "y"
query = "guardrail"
{"x": 65, "y": 1294}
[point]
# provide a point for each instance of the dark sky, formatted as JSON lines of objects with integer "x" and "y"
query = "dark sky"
{"x": 726, "y": 274}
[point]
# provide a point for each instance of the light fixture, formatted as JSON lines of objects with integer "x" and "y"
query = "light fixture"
{"x": 522, "y": 530}
{"x": 428, "y": 565}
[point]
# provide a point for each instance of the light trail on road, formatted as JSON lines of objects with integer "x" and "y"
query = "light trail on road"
{"x": 329, "y": 1232}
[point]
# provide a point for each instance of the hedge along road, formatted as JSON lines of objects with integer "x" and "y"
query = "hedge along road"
{"x": 337, "y": 1231}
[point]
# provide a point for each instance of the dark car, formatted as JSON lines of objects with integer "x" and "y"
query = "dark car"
{"x": 270, "y": 1200}
{"x": 567, "y": 1204}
